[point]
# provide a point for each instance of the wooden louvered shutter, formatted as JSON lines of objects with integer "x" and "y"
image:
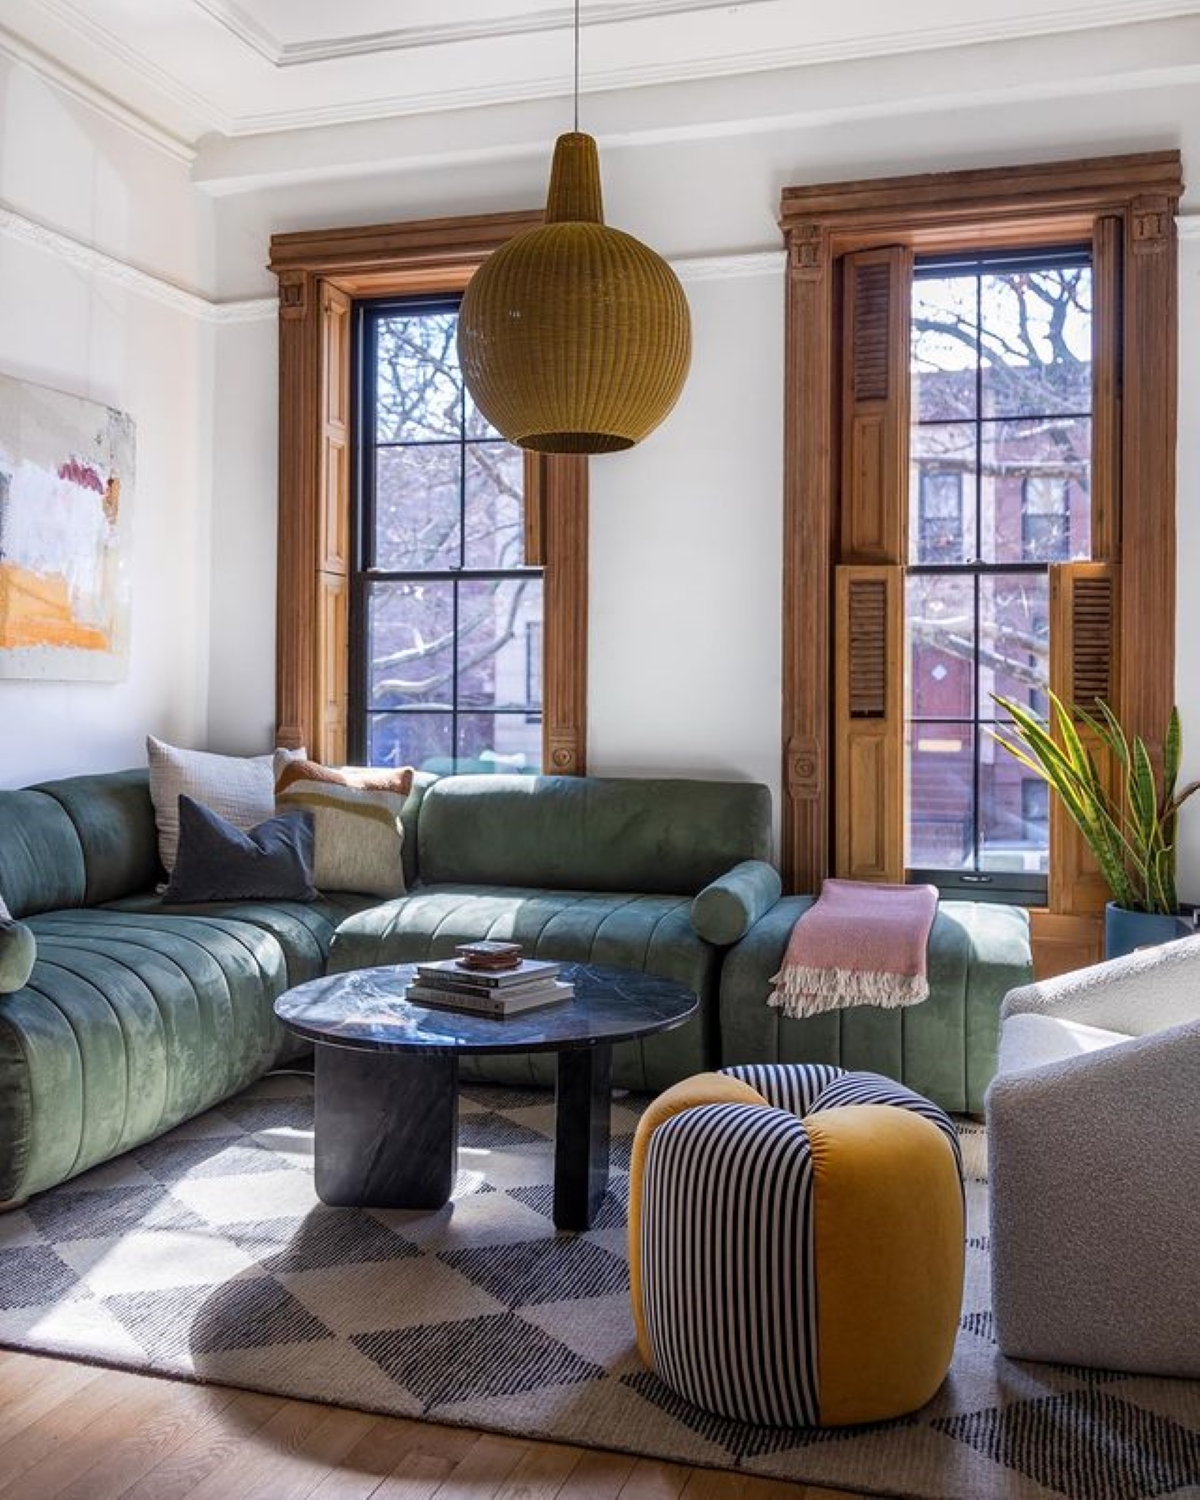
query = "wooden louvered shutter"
{"x": 1084, "y": 610}
{"x": 868, "y": 741}
{"x": 875, "y": 405}
{"x": 868, "y": 723}
{"x": 333, "y": 536}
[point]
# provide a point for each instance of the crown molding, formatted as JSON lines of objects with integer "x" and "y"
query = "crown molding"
{"x": 75, "y": 252}
{"x": 1098, "y": 14}
{"x": 735, "y": 266}
{"x": 77, "y": 19}
{"x": 86, "y": 92}
{"x": 231, "y": 16}
{"x": 65, "y": 247}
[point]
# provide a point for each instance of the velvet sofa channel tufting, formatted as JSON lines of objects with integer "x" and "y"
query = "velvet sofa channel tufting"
{"x": 139, "y": 1016}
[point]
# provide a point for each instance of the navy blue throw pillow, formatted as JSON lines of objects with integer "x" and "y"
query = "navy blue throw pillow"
{"x": 220, "y": 862}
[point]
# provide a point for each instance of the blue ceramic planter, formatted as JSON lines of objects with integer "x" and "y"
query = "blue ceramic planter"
{"x": 1125, "y": 931}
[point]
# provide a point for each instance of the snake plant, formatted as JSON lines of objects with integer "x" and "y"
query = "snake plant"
{"x": 1131, "y": 831}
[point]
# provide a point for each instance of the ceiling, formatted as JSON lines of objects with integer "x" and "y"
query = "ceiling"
{"x": 195, "y": 68}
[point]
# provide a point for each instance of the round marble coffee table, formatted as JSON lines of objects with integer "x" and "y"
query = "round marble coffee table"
{"x": 386, "y": 1124}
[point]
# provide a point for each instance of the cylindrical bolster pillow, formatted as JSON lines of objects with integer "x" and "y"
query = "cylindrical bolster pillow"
{"x": 726, "y": 910}
{"x": 18, "y": 949}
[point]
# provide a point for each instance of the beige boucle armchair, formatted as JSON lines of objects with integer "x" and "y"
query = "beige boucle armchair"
{"x": 1093, "y": 1125}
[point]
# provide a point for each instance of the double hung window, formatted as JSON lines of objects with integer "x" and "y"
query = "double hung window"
{"x": 446, "y": 613}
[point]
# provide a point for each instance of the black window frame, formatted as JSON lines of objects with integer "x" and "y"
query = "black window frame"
{"x": 368, "y": 313}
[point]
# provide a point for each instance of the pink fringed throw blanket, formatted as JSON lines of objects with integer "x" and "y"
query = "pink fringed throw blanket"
{"x": 859, "y": 944}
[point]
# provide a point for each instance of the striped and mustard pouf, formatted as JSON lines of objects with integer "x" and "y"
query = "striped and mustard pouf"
{"x": 796, "y": 1244}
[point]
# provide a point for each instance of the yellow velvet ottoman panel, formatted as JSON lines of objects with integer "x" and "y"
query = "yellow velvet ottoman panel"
{"x": 888, "y": 1226}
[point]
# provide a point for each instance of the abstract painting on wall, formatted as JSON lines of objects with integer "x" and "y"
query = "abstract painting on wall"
{"x": 66, "y": 487}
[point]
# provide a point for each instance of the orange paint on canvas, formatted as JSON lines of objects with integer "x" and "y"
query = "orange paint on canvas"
{"x": 35, "y": 610}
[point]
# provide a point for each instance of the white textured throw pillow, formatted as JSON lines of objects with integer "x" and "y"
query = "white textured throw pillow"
{"x": 238, "y": 788}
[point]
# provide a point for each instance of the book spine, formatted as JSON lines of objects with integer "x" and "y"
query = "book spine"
{"x": 480, "y": 1005}
{"x": 461, "y": 979}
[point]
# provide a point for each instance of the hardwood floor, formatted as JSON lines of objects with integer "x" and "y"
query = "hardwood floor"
{"x": 76, "y": 1432}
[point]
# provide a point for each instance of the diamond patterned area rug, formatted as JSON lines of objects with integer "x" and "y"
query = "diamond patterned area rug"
{"x": 207, "y": 1256}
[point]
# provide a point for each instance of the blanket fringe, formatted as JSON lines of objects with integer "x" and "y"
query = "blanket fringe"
{"x": 801, "y": 991}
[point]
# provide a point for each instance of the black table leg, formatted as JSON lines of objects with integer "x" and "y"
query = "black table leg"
{"x": 386, "y": 1128}
{"x": 581, "y": 1126}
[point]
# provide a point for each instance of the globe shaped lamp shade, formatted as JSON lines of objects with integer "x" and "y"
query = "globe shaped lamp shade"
{"x": 574, "y": 337}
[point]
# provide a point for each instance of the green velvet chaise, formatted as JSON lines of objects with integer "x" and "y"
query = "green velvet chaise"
{"x": 944, "y": 1048}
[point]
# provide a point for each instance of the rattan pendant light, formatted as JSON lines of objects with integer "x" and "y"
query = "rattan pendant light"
{"x": 574, "y": 337}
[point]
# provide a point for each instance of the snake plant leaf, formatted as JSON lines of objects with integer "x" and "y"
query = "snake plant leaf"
{"x": 1172, "y": 755}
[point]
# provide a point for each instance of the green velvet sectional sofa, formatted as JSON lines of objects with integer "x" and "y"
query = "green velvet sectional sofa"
{"x": 138, "y": 1016}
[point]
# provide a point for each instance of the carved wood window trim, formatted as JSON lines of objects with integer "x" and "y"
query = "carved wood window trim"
{"x": 845, "y": 472}
{"x": 321, "y": 273}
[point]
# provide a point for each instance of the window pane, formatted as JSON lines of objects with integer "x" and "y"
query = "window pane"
{"x": 941, "y": 828}
{"x": 1015, "y": 832}
{"x": 941, "y": 645}
{"x": 414, "y": 739}
{"x": 477, "y": 425}
{"x": 1037, "y": 342}
{"x": 499, "y": 742}
{"x": 1014, "y": 640}
{"x": 495, "y": 486}
{"x": 942, "y": 506}
{"x": 410, "y": 633}
{"x": 944, "y": 355}
{"x": 494, "y": 626}
{"x": 1036, "y": 490}
{"x": 418, "y": 387}
{"x": 417, "y": 507}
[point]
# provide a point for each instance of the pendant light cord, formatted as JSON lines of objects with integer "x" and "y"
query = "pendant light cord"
{"x": 577, "y": 67}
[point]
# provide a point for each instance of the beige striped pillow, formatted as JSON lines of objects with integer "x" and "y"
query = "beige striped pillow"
{"x": 358, "y": 834}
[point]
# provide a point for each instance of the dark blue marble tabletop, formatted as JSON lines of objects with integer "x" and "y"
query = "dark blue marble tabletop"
{"x": 366, "y": 1009}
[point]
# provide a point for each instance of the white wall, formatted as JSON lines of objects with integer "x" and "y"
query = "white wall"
{"x": 70, "y": 326}
{"x": 1187, "y": 511}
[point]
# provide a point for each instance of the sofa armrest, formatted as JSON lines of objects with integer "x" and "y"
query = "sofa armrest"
{"x": 725, "y": 910}
{"x": 1140, "y": 993}
{"x": 18, "y": 951}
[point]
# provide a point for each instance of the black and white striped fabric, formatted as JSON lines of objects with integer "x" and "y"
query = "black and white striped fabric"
{"x": 874, "y": 1088}
{"x": 727, "y": 1240}
{"x": 791, "y": 1086}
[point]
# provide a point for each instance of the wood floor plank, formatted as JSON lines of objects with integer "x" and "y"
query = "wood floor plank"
{"x": 484, "y": 1469}
{"x": 597, "y": 1476}
{"x": 540, "y": 1473}
{"x": 62, "y": 1424}
{"x": 653, "y": 1479}
{"x": 206, "y": 1448}
{"x": 120, "y": 1463}
{"x": 369, "y": 1462}
{"x": 37, "y": 1387}
{"x": 418, "y": 1476}
{"x": 140, "y": 1407}
{"x": 257, "y": 1467}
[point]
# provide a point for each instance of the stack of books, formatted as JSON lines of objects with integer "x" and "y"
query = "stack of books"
{"x": 489, "y": 979}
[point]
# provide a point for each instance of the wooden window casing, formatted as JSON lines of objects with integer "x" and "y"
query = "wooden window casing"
{"x": 849, "y": 256}
{"x": 321, "y": 273}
